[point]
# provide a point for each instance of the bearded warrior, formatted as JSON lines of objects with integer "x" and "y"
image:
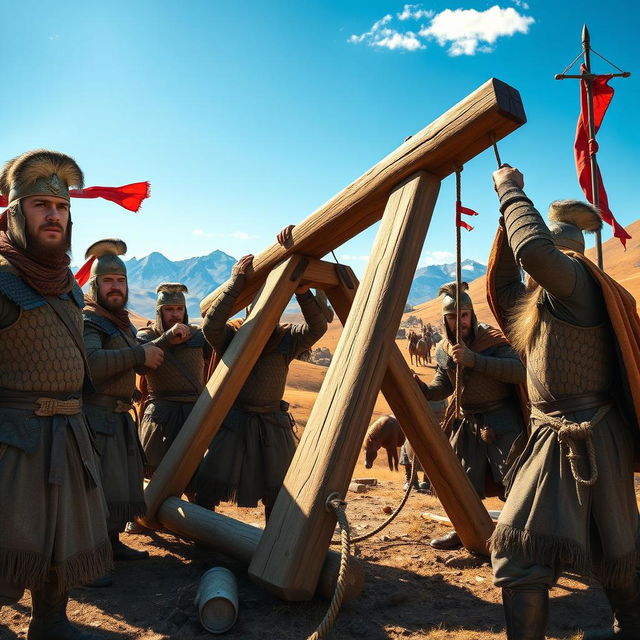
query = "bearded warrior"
{"x": 249, "y": 457}
{"x": 572, "y": 503}
{"x": 489, "y": 436}
{"x": 173, "y": 388}
{"x": 114, "y": 357}
{"x": 52, "y": 531}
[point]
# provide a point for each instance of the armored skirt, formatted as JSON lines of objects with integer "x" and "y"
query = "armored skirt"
{"x": 247, "y": 460}
{"x": 551, "y": 520}
{"x": 160, "y": 424}
{"x": 52, "y": 507}
{"x": 121, "y": 464}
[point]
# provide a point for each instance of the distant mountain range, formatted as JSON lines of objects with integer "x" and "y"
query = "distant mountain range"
{"x": 203, "y": 274}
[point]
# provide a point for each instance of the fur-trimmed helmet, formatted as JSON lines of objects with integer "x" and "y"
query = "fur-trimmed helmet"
{"x": 170, "y": 293}
{"x": 106, "y": 261}
{"x": 448, "y": 293}
{"x": 569, "y": 218}
{"x": 36, "y": 173}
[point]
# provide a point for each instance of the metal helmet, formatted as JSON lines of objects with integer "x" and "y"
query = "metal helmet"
{"x": 36, "y": 173}
{"x": 448, "y": 293}
{"x": 106, "y": 261}
{"x": 568, "y": 219}
{"x": 170, "y": 293}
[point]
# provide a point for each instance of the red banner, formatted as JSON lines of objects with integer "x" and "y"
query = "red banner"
{"x": 129, "y": 196}
{"x": 467, "y": 212}
{"x": 585, "y": 147}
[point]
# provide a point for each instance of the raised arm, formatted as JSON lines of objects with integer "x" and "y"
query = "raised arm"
{"x": 304, "y": 336}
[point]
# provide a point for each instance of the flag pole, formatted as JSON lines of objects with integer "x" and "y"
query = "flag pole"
{"x": 593, "y": 161}
{"x": 458, "y": 292}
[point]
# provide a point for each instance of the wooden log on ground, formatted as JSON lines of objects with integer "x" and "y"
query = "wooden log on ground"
{"x": 290, "y": 554}
{"x": 455, "y": 491}
{"x": 239, "y": 541}
{"x": 181, "y": 461}
{"x": 494, "y": 110}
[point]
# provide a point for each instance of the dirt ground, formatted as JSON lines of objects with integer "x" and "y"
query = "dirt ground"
{"x": 409, "y": 592}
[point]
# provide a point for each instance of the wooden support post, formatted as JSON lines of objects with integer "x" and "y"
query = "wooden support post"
{"x": 455, "y": 491}
{"x": 290, "y": 554}
{"x": 239, "y": 541}
{"x": 490, "y": 113}
{"x": 181, "y": 461}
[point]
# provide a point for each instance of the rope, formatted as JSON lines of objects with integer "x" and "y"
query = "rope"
{"x": 607, "y": 61}
{"x": 458, "y": 390}
{"x": 392, "y": 517}
{"x": 334, "y": 502}
{"x": 569, "y": 433}
{"x": 572, "y": 63}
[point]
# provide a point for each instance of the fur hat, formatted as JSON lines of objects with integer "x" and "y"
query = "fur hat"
{"x": 39, "y": 172}
{"x": 569, "y": 218}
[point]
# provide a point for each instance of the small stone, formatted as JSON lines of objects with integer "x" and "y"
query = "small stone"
{"x": 387, "y": 509}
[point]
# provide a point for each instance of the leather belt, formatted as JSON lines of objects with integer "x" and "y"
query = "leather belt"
{"x": 43, "y": 406}
{"x": 562, "y": 406}
{"x": 483, "y": 408}
{"x": 186, "y": 399}
{"x": 117, "y": 405}
{"x": 274, "y": 408}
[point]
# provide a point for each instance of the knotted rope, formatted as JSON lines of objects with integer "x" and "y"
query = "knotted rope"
{"x": 335, "y": 503}
{"x": 569, "y": 434}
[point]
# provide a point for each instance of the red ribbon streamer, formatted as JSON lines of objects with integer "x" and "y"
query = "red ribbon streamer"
{"x": 466, "y": 211}
{"x": 129, "y": 196}
{"x": 83, "y": 273}
{"x": 584, "y": 147}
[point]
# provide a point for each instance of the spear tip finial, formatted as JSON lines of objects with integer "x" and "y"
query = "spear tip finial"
{"x": 585, "y": 35}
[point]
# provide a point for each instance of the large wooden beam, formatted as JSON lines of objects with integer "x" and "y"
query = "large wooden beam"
{"x": 239, "y": 541}
{"x": 181, "y": 461}
{"x": 455, "y": 491}
{"x": 493, "y": 111}
{"x": 291, "y": 551}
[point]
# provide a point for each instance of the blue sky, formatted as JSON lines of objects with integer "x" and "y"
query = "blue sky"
{"x": 246, "y": 116}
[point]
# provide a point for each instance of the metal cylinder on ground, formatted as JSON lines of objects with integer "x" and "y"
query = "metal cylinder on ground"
{"x": 217, "y": 600}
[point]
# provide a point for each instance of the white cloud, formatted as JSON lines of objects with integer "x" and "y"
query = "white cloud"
{"x": 463, "y": 31}
{"x": 396, "y": 40}
{"x": 468, "y": 31}
{"x": 467, "y": 267}
{"x": 414, "y": 12}
{"x": 237, "y": 235}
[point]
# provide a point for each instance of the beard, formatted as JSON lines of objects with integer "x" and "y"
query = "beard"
{"x": 114, "y": 303}
{"x": 47, "y": 251}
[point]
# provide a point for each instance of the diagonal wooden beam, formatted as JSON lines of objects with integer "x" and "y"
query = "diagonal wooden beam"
{"x": 181, "y": 461}
{"x": 455, "y": 491}
{"x": 491, "y": 112}
{"x": 291, "y": 551}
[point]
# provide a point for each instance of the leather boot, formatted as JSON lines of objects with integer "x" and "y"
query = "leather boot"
{"x": 124, "y": 553}
{"x": 626, "y": 611}
{"x": 49, "y": 616}
{"x": 448, "y": 542}
{"x": 526, "y": 612}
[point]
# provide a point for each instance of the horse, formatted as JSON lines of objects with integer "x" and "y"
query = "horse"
{"x": 414, "y": 339}
{"x": 384, "y": 432}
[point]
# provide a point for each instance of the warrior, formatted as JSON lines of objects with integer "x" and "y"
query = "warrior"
{"x": 172, "y": 389}
{"x": 571, "y": 504}
{"x": 114, "y": 357}
{"x": 489, "y": 436}
{"x": 249, "y": 457}
{"x": 53, "y": 533}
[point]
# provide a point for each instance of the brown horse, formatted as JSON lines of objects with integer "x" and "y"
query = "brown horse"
{"x": 384, "y": 432}
{"x": 413, "y": 339}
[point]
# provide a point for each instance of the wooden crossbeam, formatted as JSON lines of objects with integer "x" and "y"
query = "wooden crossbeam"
{"x": 239, "y": 541}
{"x": 291, "y": 551}
{"x": 490, "y": 113}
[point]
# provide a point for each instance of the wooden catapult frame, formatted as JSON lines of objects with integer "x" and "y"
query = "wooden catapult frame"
{"x": 290, "y": 558}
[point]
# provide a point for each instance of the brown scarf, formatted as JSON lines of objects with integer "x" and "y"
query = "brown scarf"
{"x": 47, "y": 277}
{"x": 120, "y": 318}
